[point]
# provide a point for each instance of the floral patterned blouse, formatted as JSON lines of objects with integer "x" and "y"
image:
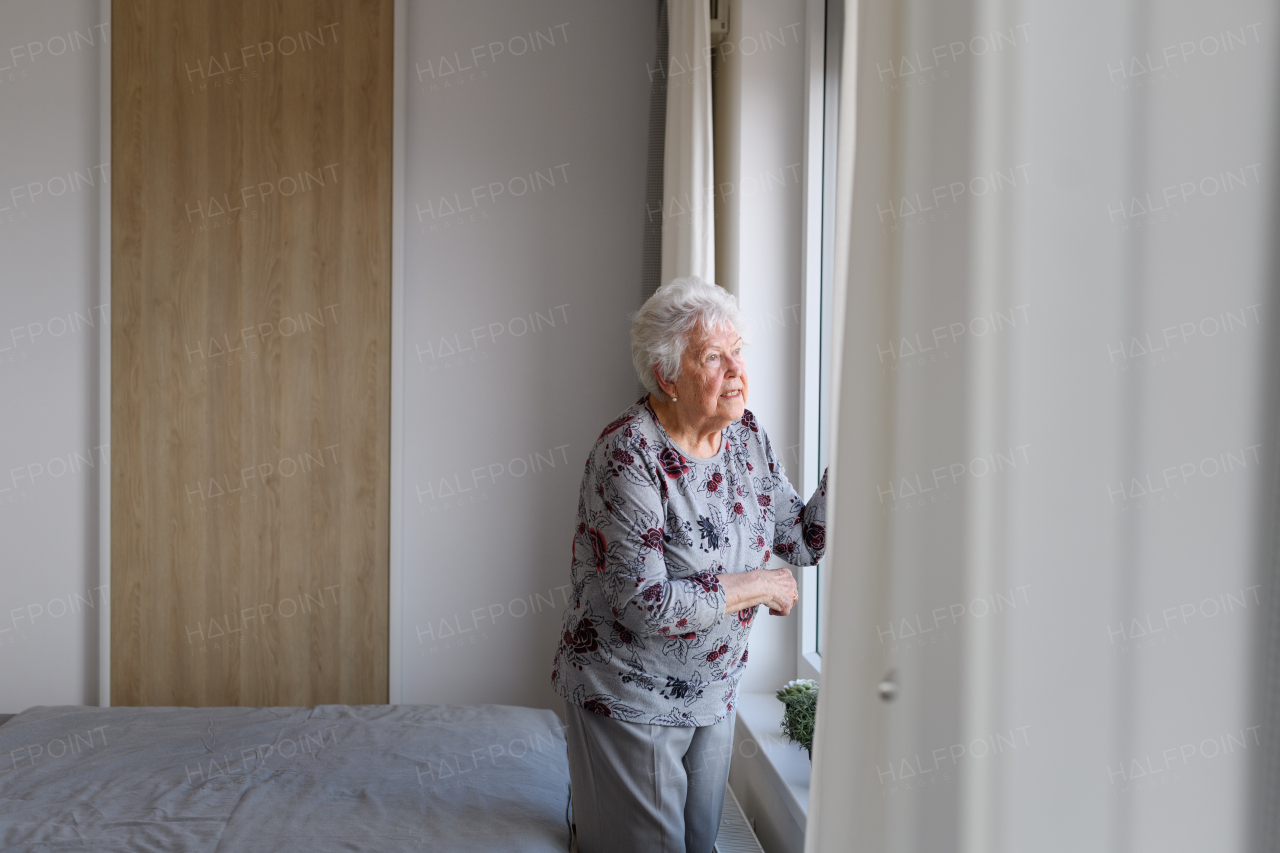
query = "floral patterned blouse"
{"x": 645, "y": 637}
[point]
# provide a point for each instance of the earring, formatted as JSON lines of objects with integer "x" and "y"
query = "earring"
{"x": 673, "y": 399}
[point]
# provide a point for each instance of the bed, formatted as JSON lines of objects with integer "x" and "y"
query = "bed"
{"x": 330, "y": 778}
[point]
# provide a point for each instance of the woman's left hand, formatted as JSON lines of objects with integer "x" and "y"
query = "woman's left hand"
{"x": 786, "y": 612}
{"x": 774, "y": 588}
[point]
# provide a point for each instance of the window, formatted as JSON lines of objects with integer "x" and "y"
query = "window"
{"x": 822, "y": 101}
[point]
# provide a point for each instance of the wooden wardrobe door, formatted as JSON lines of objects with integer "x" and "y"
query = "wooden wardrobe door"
{"x": 250, "y": 363}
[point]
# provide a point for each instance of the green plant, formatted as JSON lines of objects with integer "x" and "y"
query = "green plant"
{"x": 801, "y": 700}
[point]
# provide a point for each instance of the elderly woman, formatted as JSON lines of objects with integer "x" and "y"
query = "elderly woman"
{"x": 684, "y": 519}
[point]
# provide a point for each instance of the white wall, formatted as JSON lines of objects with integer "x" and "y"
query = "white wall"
{"x": 573, "y": 107}
{"x": 517, "y": 304}
{"x": 51, "y": 175}
{"x": 479, "y": 396}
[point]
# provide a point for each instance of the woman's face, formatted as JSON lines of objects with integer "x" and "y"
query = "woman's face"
{"x": 713, "y": 376}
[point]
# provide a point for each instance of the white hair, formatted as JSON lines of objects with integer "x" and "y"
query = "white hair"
{"x": 661, "y": 330}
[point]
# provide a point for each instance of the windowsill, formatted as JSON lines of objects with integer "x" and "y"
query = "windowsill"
{"x": 786, "y": 764}
{"x": 809, "y": 666}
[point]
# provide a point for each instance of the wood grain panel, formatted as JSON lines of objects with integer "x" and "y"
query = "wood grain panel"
{"x": 251, "y": 300}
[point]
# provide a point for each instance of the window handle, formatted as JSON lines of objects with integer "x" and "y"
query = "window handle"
{"x": 888, "y": 688}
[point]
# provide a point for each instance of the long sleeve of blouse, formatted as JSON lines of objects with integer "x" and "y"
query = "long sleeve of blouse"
{"x": 623, "y": 513}
{"x": 799, "y": 528}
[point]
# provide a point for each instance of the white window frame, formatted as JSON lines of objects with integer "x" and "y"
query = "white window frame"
{"x": 823, "y": 31}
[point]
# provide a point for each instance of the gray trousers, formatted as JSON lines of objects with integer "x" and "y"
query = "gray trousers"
{"x": 643, "y": 788}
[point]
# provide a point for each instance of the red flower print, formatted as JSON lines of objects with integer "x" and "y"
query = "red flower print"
{"x": 764, "y": 500}
{"x": 706, "y": 580}
{"x": 597, "y": 707}
{"x": 815, "y": 536}
{"x": 652, "y": 538}
{"x": 750, "y": 420}
{"x": 744, "y": 616}
{"x": 737, "y": 509}
{"x": 672, "y": 463}
{"x": 622, "y": 456}
{"x": 597, "y": 549}
{"x": 616, "y": 425}
{"x": 718, "y": 477}
{"x": 713, "y": 486}
{"x": 680, "y": 623}
{"x": 583, "y": 638}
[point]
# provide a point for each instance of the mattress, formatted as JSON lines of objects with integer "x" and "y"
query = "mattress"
{"x": 330, "y": 778}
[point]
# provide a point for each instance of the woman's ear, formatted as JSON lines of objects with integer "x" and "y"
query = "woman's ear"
{"x": 668, "y": 388}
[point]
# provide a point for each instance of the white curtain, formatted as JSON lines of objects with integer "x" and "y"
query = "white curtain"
{"x": 1047, "y": 448}
{"x": 845, "y": 806}
{"x": 688, "y": 216}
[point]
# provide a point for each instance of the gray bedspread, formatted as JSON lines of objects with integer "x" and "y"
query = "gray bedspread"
{"x": 336, "y": 777}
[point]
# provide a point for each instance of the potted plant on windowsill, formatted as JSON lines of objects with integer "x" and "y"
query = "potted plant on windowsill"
{"x": 801, "y": 700}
